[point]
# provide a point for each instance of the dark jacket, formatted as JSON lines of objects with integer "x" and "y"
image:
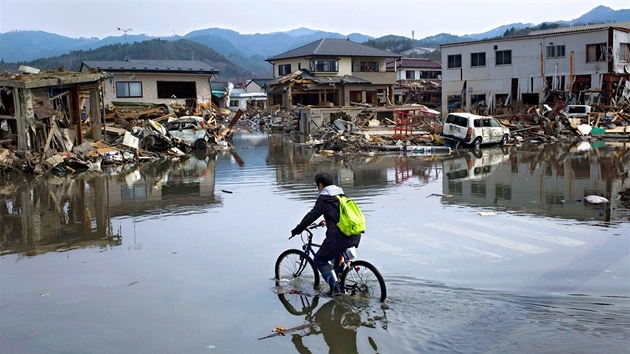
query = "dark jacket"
{"x": 327, "y": 204}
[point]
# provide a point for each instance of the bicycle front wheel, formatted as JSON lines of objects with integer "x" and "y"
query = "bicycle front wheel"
{"x": 293, "y": 266}
{"x": 363, "y": 279}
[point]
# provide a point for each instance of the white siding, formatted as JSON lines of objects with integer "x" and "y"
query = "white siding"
{"x": 529, "y": 64}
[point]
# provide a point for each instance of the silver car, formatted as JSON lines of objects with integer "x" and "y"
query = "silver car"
{"x": 191, "y": 129}
{"x": 471, "y": 129}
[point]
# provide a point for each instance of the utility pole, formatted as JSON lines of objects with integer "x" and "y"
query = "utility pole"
{"x": 413, "y": 44}
{"x": 126, "y": 47}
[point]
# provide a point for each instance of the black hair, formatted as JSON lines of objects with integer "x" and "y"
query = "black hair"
{"x": 324, "y": 178}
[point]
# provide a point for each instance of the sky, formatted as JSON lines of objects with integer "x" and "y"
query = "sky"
{"x": 104, "y": 18}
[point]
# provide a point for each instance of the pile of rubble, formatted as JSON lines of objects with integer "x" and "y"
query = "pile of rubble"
{"x": 538, "y": 125}
{"x": 366, "y": 134}
{"x": 131, "y": 138}
{"x": 548, "y": 125}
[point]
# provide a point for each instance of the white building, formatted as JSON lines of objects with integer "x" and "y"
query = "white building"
{"x": 240, "y": 99}
{"x": 576, "y": 62}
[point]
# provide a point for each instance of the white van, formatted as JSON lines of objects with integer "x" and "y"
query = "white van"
{"x": 474, "y": 130}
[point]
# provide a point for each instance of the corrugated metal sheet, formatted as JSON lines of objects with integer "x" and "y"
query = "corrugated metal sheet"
{"x": 175, "y": 66}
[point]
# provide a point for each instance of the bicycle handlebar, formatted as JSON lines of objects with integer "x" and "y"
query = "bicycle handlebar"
{"x": 309, "y": 228}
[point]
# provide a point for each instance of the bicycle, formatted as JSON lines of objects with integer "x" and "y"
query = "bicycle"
{"x": 356, "y": 277}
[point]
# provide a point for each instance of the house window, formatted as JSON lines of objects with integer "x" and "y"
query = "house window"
{"x": 284, "y": 69}
{"x": 128, "y": 89}
{"x": 596, "y": 52}
{"x": 234, "y": 103}
{"x": 324, "y": 66}
{"x": 624, "y": 52}
{"x": 454, "y": 61}
{"x": 410, "y": 74}
{"x": 555, "y": 51}
{"x": 503, "y": 57}
{"x": 477, "y": 59}
{"x": 431, "y": 74}
{"x": 369, "y": 66}
{"x": 178, "y": 89}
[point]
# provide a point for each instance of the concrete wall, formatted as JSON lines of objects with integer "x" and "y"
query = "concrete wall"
{"x": 530, "y": 66}
{"x": 149, "y": 86}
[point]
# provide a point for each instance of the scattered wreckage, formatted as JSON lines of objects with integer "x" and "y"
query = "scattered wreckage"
{"x": 421, "y": 130}
{"x": 144, "y": 142}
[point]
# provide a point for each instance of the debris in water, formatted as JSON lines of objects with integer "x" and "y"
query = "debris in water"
{"x": 487, "y": 213}
{"x": 595, "y": 199}
{"x": 281, "y": 330}
{"x": 135, "y": 282}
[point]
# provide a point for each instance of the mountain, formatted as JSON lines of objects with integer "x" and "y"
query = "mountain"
{"x": 597, "y": 14}
{"x": 154, "y": 49}
{"x": 240, "y": 50}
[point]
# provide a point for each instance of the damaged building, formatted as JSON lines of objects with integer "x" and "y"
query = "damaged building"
{"x": 331, "y": 72}
{"x": 45, "y": 111}
{"x": 575, "y": 65}
{"x": 155, "y": 81}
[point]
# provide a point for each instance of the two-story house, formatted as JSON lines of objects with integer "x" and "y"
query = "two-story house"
{"x": 154, "y": 81}
{"x": 331, "y": 72}
{"x": 418, "y": 80}
{"x": 587, "y": 64}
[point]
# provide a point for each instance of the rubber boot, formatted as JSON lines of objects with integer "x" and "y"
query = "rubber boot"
{"x": 331, "y": 278}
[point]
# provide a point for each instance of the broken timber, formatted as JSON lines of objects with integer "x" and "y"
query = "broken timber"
{"x": 282, "y": 332}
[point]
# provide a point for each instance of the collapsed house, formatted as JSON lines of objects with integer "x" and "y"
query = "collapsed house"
{"x": 46, "y": 111}
{"x": 56, "y": 121}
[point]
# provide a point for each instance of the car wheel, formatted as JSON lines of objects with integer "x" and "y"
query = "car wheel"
{"x": 504, "y": 140}
{"x": 477, "y": 152}
{"x": 477, "y": 144}
{"x": 201, "y": 144}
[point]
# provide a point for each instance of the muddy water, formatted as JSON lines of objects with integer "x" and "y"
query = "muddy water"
{"x": 490, "y": 253}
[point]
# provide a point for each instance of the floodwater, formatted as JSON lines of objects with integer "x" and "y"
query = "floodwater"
{"x": 490, "y": 253}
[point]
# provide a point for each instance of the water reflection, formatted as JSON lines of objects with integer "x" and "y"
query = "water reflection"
{"x": 550, "y": 180}
{"x": 55, "y": 213}
{"x": 338, "y": 321}
{"x": 40, "y": 215}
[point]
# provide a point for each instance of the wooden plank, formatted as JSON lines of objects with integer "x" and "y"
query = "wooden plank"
{"x": 115, "y": 131}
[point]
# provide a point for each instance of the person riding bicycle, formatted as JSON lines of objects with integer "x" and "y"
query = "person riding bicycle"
{"x": 336, "y": 241}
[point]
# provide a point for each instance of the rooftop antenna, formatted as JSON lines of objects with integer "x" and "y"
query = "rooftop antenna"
{"x": 125, "y": 30}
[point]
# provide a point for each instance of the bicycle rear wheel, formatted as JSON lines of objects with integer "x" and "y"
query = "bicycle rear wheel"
{"x": 363, "y": 279}
{"x": 293, "y": 266}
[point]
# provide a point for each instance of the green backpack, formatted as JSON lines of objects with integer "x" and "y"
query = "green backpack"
{"x": 351, "y": 219}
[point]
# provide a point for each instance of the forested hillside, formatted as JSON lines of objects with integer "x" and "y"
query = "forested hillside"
{"x": 155, "y": 49}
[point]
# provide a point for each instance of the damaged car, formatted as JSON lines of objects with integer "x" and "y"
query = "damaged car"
{"x": 190, "y": 129}
{"x": 187, "y": 131}
{"x": 473, "y": 130}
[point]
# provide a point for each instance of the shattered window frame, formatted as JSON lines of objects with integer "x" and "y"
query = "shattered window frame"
{"x": 454, "y": 61}
{"x": 596, "y": 53}
{"x": 503, "y": 57}
{"x": 556, "y": 51}
{"x": 477, "y": 59}
{"x": 624, "y": 52}
{"x": 284, "y": 69}
{"x": 324, "y": 66}
{"x": 128, "y": 89}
